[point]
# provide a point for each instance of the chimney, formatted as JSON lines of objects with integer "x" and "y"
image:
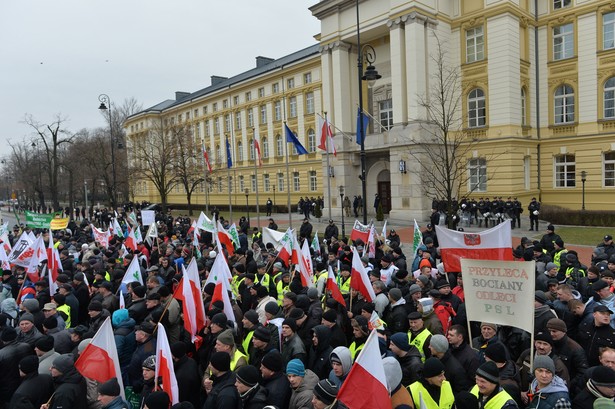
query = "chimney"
{"x": 180, "y": 95}
{"x": 262, "y": 61}
{"x": 216, "y": 79}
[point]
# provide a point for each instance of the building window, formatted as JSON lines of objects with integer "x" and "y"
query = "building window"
{"x": 248, "y": 96}
{"x": 266, "y": 183}
{"x": 253, "y": 182}
{"x": 290, "y": 83}
{"x": 307, "y": 78}
{"x": 218, "y": 155}
{"x": 265, "y": 148}
{"x": 386, "y": 114}
{"x": 237, "y": 120}
{"x": 275, "y": 88}
{"x": 250, "y": 117}
{"x": 311, "y": 140}
{"x": 241, "y": 184}
{"x": 563, "y": 42}
{"x": 224, "y": 103}
{"x": 279, "y": 146}
{"x": 477, "y": 172}
{"x": 477, "y": 114}
{"x": 313, "y": 181}
{"x": 296, "y": 182}
{"x": 197, "y": 131}
{"x": 216, "y": 126}
{"x": 609, "y": 169}
{"x": 236, "y": 100}
{"x": 261, "y": 92}
{"x": 219, "y": 184}
{"x": 252, "y": 149}
{"x": 475, "y": 44}
{"x": 205, "y": 110}
{"x": 207, "y": 127}
{"x": 609, "y": 98}
{"x": 560, "y": 4}
{"x": 608, "y": 31}
{"x": 196, "y": 113}
{"x": 565, "y": 168}
{"x": 277, "y": 110}
{"x": 215, "y": 106}
{"x": 227, "y": 122}
{"x": 523, "y": 107}
{"x": 240, "y": 151}
{"x": 280, "y": 182}
{"x": 263, "y": 110}
{"x": 526, "y": 172}
{"x": 309, "y": 103}
{"x": 292, "y": 103}
{"x": 564, "y": 104}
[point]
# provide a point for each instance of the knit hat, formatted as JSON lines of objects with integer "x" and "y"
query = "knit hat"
{"x": 544, "y": 337}
{"x": 157, "y": 400}
{"x": 325, "y": 391}
{"x": 95, "y": 306}
{"x": 312, "y": 293}
{"x": 27, "y": 317}
{"x": 496, "y": 352}
{"x": 603, "y": 376}
{"x": 543, "y": 361}
{"x": 329, "y": 316}
{"x": 63, "y": 363}
{"x": 221, "y": 361}
{"x": 8, "y": 335}
{"x": 251, "y": 316}
{"x": 31, "y": 304}
{"x": 427, "y": 304}
{"x": 433, "y": 367}
{"x": 490, "y": 325}
{"x": 248, "y": 375}
{"x": 439, "y": 343}
{"x": 178, "y": 349}
{"x": 219, "y": 319}
{"x": 149, "y": 363}
{"x": 110, "y": 388}
{"x": 368, "y": 307}
{"x": 273, "y": 361}
{"x": 400, "y": 340}
{"x": 48, "y": 323}
{"x": 45, "y": 343}
{"x": 29, "y": 364}
{"x": 296, "y": 314}
{"x": 295, "y": 367}
{"x": 540, "y": 297}
{"x": 395, "y": 294}
{"x": 489, "y": 372}
{"x": 557, "y": 325}
{"x": 291, "y": 323}
{"x": 550, "y": 266}
{"x": 262, "y": 334}
{"x": 272, "y": 307}
{"x": 146, "y": 326}
{"x": 226, "y": 337}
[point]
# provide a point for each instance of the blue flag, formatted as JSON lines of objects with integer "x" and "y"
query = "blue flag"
{"x": 291, "y": 137}
{"x": 229, "y": 160}
{"x": 365, "y": 118}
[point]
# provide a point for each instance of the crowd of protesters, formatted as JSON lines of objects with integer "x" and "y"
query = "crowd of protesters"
{"x": 293, "y": 346}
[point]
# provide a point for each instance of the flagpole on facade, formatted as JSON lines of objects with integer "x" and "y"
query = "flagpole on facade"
{"x": 290, "y": 219}
{"x": 256, "y": 161}
{"x": 206, "y": 172}
{"x": 328, "y": 166}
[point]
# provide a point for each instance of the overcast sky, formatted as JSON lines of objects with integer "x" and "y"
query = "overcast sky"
{"x": 58, "y": 56}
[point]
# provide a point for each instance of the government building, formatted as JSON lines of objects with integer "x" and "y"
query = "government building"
{"x": 533, "y": 108}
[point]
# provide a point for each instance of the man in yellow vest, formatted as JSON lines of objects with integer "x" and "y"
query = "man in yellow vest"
{"x": 226, "y": 343}
{"x": 419, "y": 336}
{"x": 250, "y": 322}
{"x": 488, "y": 390}
{"x": 432, "y": 387}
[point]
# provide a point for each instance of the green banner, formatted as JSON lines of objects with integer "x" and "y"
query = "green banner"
{"x": 39, "y": 220}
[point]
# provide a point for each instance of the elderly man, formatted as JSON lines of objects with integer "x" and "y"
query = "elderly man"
{"x": 109, "y": 395}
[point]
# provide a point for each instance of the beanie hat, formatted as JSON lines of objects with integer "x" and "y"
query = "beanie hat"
{"x": 400, "y": 340}
{"x": 295, "y": 367}
{"x": 273, "y": 361}
{"x": 8, "y": 335}
{"x": 392, "y": 370}
{"x": 545, "y": 337}
{"x": 45, "y": 343}
{"x": 427, "y": 304}
{"x": 63, "y": 363}
{"x": 550, "y": 266}
{"x": 31, "y": 304}
{"x": 219, "y": 319}
{"x": 489, "y": 372}
{"x": 543, "y": 361}
{"x": 221, "y": 361}
{"x": 178, "y": 349}
{"x": 27, "y": 317}
{"x": 329, "y": 316}
{"x": 48, "y": 323}
{"x": 603, "y": 376}
{"x": 110, "y": 388}
{"x": 291, "y": 323}
{"x": 226, "y": 337}
{"x": 433, "y": 367}
{"x": 29, "y": 364}
{"x": 325, "y": 391}
{"x": 540, "y": 297}
{"x": 395, "y": 294}
{"x": 368, "y": 307}
{"x": 312, "y": 293}
{"x": 149, "y": 363}
{"x": 248, "y": 375}
{"x": 362, "y": 323}
{"x": 157, "y": 400}
{"x": 95, "y": 306}
{"x": 557, "y": 325}
{"x": 251, "y": 316}
{"x": 262, "y": 334}
{"x": 414, "y": 288}
{"x": 296, "y": 314}
{"x": 272, "y": 307}
{"x": 490, "y": 325}
{"x": 439, "y": 343}
{"x": 496, "y": 352}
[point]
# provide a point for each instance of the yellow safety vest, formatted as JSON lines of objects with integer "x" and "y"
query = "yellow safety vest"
{"x": 344, "y": 285}
{"x": 354, "y": 349}
{"x": 447, "y": 399}
{"x": 557, "y": 257}
{"x": 236, "y": 357}
{"x": 263, "y": 280}
{"x": 419, "y": 341}
{"x": 66, "y": 310}
{"x": 497, "y": 402}
{"x": 282, "y": 289}
{"x": 235, "y": 283}
{"x": 323, "y": 273}
{"x": 246, "y": 343}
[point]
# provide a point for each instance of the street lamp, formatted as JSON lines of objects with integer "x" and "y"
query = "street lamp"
{"x": 371, "y": 75}
{"x": 85, "y": 185}
{"x": 583, "y": 179}
{"x": 105, "y": 104}
{"x": 247, "y": 193}
{"x": 342, "y": 207}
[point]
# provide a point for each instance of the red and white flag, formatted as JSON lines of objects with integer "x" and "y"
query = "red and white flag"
{"x": 326, "y": 136}
{"x": 189, "y": 292}
{"x": 365, "y": 386}
{"x": 285, "y": 248}
{"x": 226, "y": 239}
{"x": 6, "y": 243}
{"x": 302, "y": 263}
{"x": 21, "y": 253}
{"x": 360, "y": 231}
{"x": 492, "y": 244}
{"x": 220, "y": 275}
{"x": 39, "y": 254}
{"x": 257, "y": 148}
{"x": 370, "y": 247}
{"x": 4, "y": 259}
{"x": 206, "y": 158}
{"x": 164, "y": 366}
{"x": 334, "y": 288}
{"x": 100, "y": 236}
{"x": 99, "y": 360}
{"x": 131, "y": 240}
{"x": 54, "y": 265}
{"x": 359, "y": 279}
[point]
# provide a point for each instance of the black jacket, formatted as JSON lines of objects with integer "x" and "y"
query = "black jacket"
{"x": 224, "y": 394}
{"x": 255, "y": 398}
{"x": 10, "y": 356}
{"x": 188, "y": 380}
{"x": 138, "y": 310}
{"x": 397, "y": 319}
{"x": 593, "y": 338}
{"x": 411, "y": 365}
{"x": 318, "y": 356}
{"x": 455, "y": 373}
{"x": 467, "y": 357}
{"x": 71, "y": 391}
{"x": 278, "y": 390}
{"x": 34, "y": 390}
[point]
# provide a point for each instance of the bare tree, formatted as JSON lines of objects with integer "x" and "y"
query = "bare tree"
{"x": 444, "y": 147}
{"x": 187, "y": 169}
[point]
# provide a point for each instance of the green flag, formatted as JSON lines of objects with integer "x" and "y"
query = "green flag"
{"x": 417, "y": 238}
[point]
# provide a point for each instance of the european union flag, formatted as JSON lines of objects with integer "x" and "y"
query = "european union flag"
{"x": 229, "y": 160}
{"x": 291, "y": 137}
{"x": 365, "y": 118}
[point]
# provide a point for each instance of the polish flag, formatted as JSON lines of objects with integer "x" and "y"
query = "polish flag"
{"x": 302, "y": 264}
{"x": 99, "y": 360}
{"x": 220, "y": 275}
{"x": 326, "y": 136}
{"x": 100, "y": 236}
{"x": 39, "y": 254}
{"x": 359, "y": 279}
{"x": 360, "y": 231}
{"x": 131, "y": 240}
{"x": 164, "y": 366}
{"x": 285, "y": 249}
{"x": 492, "y": 244}
{"x": 226, "y": 239}
{"x": 257, "y": 148}
{"x": 189, "y": 292}
{"x": 206, "y": 158}
{"x": 334, "y": 288}
{"x": 365, "y": 386}
{"x": 4, "y": 258}
{"x": 54, "y": 265}
{"x": 307, "y": 257}
{"x": 370, "y": 248}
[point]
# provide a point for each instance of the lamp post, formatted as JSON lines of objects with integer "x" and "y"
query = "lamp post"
{"x": 85, "y": 186}
{"x": 247, "y": 193}
{"x": 369, "y": 54}
{"x": 342, "y": 208}
{"x": 104, "y": 102}
{"x": 583, "y": 179}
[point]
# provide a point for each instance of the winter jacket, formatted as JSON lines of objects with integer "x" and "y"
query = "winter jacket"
{"x": 188, "y": 380}
{"x": 411, "y": 365}
{"x": 138, "y": 310}
{"x": 45, "y": 361}
{"x": 278, "y": 390}
{"x": 224, "y": 394}
{"x": 34, "y": 390}
{"x": 593, "y": 338}
{"x": 255, "y": 398}
{"x": 29, "y": 337}
{"x": 552, "y": 396}
{"x": 62, "y": 343}
{"x": 467, "y": 357}
{"x": 318, "y": 356}
{"x": 125, "y": 342}
{"x": 135, "y": 377}
{"x": 301, "y": 398}
{"x": 292, "y": 348}
{"x": 542, "y": 315}
{"x": 117, "y": 403}
{"x": 397, "y": 317}
{"x": 95, "y": 324}
{"x": 455, "y": 373}
{"x": 10, "y": 356}
{"x": 71, "y": 391}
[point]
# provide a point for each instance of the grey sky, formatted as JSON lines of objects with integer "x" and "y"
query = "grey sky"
{"x": 58, "y": 56}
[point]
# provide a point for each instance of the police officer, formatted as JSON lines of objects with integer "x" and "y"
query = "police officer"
{"x": 534, "y": 209}
{"x": 517, "y": 210}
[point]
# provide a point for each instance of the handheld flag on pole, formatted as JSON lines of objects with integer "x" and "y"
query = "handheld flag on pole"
{"x": 417, "y": 238}
{"x": 164, "y": 366}
{"x": 291, "y": 137}
{"x": 361, "y": 117}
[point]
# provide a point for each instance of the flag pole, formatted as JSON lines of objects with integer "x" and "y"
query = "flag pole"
{"x": 256, "y": 162}
{"x": 290, "y": 220}
{"x": 328, "y": 165}
{"x": 206, "y": 172}
{"x": 228, "y": 179}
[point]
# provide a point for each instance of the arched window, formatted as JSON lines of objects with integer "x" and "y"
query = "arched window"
{"x": 609, "y": 98}
{"x": 252, "y": 149}
{"x": 311, "y": 140}
{"x": 239, "y": 151}
{"x": 279, "y": 146}
{"x": 477, "y": 115}
{"x": 265, "y": 147}
{"x": 564, "y": 104}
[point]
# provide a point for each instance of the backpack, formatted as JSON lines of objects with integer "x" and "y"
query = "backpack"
{"x": 445, "y": 313}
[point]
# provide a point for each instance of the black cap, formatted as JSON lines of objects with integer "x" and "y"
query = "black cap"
{"x": 602, "y": 308}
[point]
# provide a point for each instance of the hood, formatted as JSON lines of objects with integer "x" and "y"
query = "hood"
{"x": 556, "y": 385}
{"x": 392, "y": 369}
{"x": 344, "y": 356}
{"x": 323, "y": 334}
{"x": 129, "y": 323}
{"x": 119, "y": 316}
{"x": 9, "y": 307}
{"x": 309, "y": 381}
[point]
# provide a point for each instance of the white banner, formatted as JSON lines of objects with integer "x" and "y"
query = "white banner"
{"x": 148, "y": 217}
{"x": 272, "y": 236}
{"x": 500, "y": 292}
